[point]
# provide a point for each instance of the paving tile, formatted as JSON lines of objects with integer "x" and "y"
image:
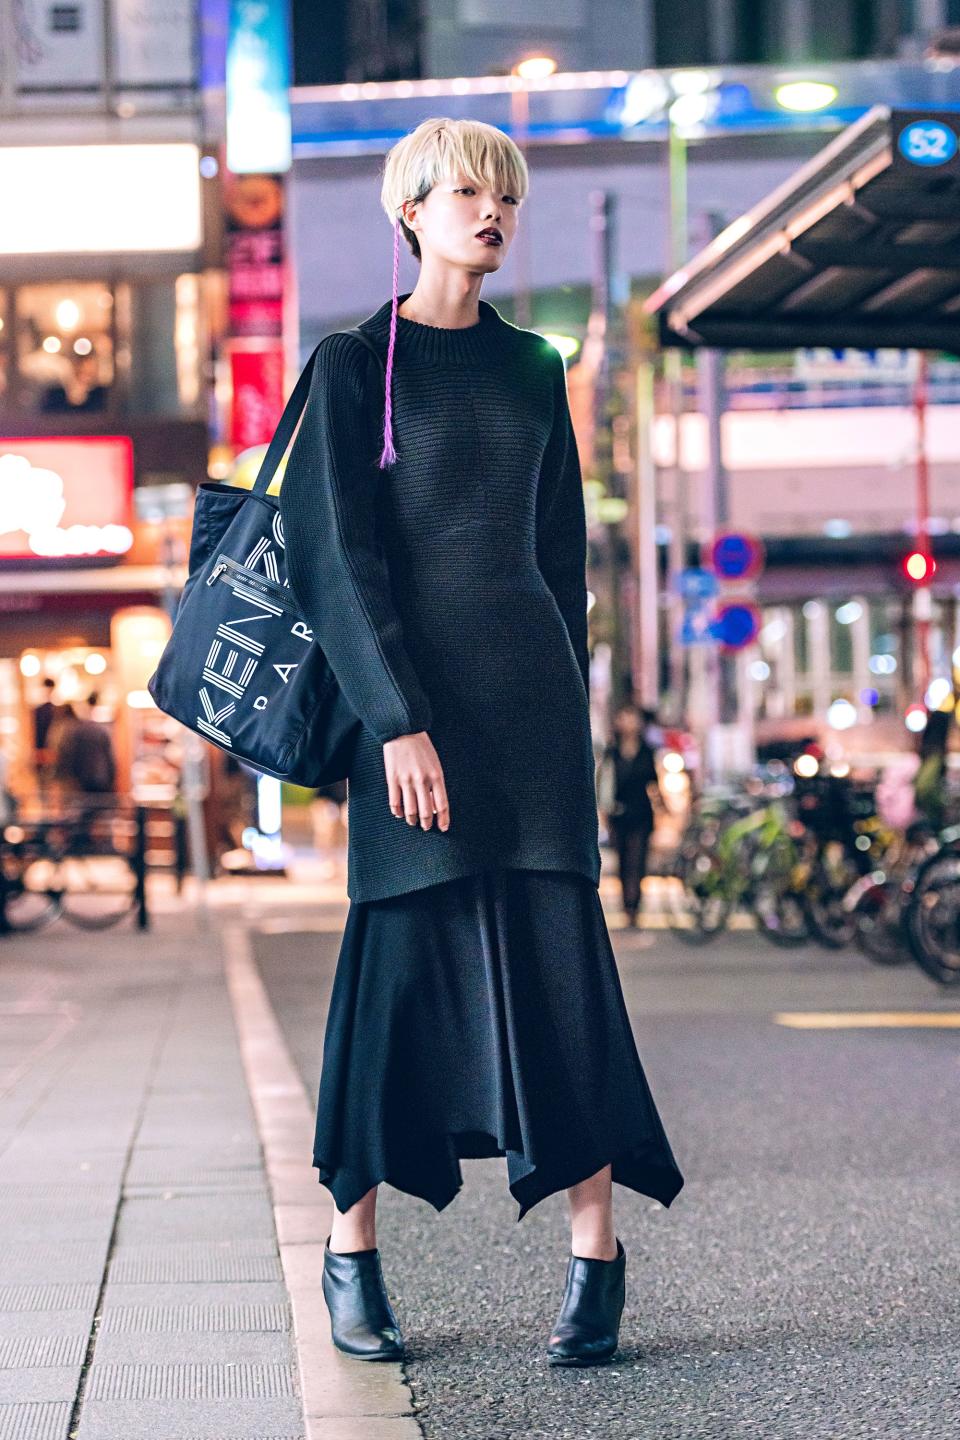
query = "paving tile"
{"x": 29, "y": 1351}
{"x": 202, "y": 1420}
{"x": 239, "y": 1260}
{"x": 35, "y": 1263}
{"x": 191, "y": 1381}
{"x": 195, "y": 1292}
{"x": 30, "y": 1324}
{"x": 44, "y": 1382}
{"x": 43, "y": 1420}
{"x": 225, "y": 1347}
{"x": 237, "y": 1316}
{"x": 43, "y": 1297}
{"x": 194, "y": 1217}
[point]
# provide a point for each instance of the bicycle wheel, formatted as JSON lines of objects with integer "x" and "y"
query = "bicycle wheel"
{"x": 99, "y": 890}
{"x": 878, "y": 928}
{"x": 830, "y": 921}
{"x": 932, "y": 919}
{"x": 32, "y": 899}
{"x": 777, "y": 901}
{"x": 29, "y": 906}
{"x": 698, "y": 907}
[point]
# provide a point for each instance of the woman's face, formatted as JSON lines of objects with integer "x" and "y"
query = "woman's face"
{"x": 447, "y": 223}
{"x": 627, "y": 724}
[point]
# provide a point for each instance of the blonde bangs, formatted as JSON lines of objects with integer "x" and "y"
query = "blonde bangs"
{"x": 440, "y": 147}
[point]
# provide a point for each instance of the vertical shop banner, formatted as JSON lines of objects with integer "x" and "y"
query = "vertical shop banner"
{"x": 258, "y": 87}
{"x": 255, "y": 253}
{"x": 258, "y": 154}
{"x": 257, "y": 377}
{"x": 256, "y": 270}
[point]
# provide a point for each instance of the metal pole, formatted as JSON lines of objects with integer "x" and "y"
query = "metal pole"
{"x": 673, "y": 374}
{"x": 648, "y": 579}
{"x": 140, "y": 869}
{"x": 704, "y": 659}
{"x": 520, "y": 119}
{"x": 922, "y": 600}
{"x": 796, "y": 28}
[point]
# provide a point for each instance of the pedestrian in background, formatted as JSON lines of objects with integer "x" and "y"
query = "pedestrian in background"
{"x": 628, "y": 774}
{"x": 85, "y": 763}
{"x": 476, "y": 1008}
{"x": 930, "y": 784}
{"x": 44, "y": 717}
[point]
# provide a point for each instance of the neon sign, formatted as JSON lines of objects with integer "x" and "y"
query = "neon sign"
{"x": 65, "y": 498}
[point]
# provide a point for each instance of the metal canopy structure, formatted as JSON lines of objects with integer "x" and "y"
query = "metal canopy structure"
{"x": 860, "y": 248}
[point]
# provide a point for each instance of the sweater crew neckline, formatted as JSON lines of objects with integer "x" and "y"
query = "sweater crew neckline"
{"x": 439, "y": 344}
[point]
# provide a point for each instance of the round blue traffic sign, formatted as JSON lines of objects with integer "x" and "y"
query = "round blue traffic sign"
{"x": 927, "y": 142}
{"x": 696, "y": 584}
{"x": 737, "y": 624}
{"x": 736, "y": 557}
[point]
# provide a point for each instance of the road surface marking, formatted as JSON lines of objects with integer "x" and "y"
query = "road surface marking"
{"x": 869, "y": 1019}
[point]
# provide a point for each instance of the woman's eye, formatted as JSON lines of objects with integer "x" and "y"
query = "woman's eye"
{"x": 460, "y": 188}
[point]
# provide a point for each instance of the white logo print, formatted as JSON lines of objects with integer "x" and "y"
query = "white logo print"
{"x": 239, "y": 644}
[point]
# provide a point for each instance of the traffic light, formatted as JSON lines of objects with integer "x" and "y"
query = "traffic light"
{"x": 919, "y": 568}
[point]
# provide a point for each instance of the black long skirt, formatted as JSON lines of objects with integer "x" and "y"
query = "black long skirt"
{"x": 483, "y": 1016}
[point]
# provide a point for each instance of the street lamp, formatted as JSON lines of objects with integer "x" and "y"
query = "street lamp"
{"x": 535, "y": 67}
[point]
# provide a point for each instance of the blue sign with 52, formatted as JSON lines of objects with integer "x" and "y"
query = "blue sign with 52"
{"x": 927, "y": 142}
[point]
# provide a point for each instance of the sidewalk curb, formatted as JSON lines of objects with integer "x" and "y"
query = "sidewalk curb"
{"x": 343, "y": 1399}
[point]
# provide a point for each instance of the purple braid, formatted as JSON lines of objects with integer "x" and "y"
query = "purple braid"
{"x": 389, "y": 454}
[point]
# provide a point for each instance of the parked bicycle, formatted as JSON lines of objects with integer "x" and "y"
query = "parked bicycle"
{"x": 88, "y": 866}
{"x": 740, "y": 852}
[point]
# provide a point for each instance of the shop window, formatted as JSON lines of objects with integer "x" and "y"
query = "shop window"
{"x": 886, "y": 657}
{"x": 841, "y": 634}
{"x": 64, "y": 347}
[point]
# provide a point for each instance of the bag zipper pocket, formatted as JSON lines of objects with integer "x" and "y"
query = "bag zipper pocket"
{"x": 232, "y": 572}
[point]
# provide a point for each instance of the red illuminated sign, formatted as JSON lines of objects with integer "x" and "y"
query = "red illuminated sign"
{"x": 257, "y": 394}
{"x": 65, "y": 499}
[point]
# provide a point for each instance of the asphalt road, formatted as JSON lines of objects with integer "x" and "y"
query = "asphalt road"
{"x": 805, "y": 1281}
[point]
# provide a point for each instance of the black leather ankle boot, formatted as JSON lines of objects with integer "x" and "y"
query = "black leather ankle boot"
{"x": 362, "y": 1321}
{"x": 588, "y": 1326}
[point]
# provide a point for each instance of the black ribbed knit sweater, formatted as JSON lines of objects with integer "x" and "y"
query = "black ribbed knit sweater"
{"x": 448, "y": 592}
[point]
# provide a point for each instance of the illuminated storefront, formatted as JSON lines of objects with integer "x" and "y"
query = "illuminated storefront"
{"x": 102, "y": 391}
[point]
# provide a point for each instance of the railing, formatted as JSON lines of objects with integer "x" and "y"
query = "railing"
{"x": 87, "y": 863}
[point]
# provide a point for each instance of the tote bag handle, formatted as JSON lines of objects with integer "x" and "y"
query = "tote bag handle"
{"x": 293, "y": 410}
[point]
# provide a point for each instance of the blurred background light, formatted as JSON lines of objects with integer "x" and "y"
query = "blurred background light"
{"x": 805, "y": 95}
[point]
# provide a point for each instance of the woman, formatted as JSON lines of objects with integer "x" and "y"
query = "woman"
{"x": 632, "y": 775}
{"x": 476, "y": 1008}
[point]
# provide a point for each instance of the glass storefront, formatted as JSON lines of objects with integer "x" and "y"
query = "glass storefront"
{"x": 70, "y": 348}
{"x": 854, "y": 648}
{"x": 64, "y": 348}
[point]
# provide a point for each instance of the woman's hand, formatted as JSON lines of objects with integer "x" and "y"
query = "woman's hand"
{"x": 415, "y": 781}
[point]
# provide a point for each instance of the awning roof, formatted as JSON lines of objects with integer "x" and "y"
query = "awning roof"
{"x": 860, "y": 248}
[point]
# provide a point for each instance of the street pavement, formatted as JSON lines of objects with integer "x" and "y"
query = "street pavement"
{"x": 161, "y": 1239}
{"x": 803, "y": 1283}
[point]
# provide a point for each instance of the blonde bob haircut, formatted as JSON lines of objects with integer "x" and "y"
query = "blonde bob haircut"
{"x": 439, "y": 148}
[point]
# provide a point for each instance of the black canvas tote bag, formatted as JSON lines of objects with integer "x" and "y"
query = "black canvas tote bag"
{"x": 241, "y": 667}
